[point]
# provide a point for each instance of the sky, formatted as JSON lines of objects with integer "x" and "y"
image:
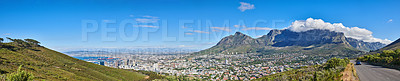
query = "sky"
{"x": 197, "y": 24}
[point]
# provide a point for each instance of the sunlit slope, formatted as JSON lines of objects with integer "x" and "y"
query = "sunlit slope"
{"x": 392, "y": 46}
{"x": 52, "y": 65}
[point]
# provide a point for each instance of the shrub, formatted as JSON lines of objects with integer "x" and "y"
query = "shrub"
{"x": 389, "y": 58}
{"x": 20, "y": 76}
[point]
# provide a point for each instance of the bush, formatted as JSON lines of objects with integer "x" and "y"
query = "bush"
{"x": 336, "y": 62}
{"x": 20, "y": 76}
{"x": 330, "y": 71}
{"x": 389, "y": 58}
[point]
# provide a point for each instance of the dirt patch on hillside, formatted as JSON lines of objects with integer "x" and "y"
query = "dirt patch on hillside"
{"x": 147, "y": 77}
{"x": 349, "y": 74}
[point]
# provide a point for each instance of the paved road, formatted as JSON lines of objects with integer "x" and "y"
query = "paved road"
{"x": 368, "y": 72}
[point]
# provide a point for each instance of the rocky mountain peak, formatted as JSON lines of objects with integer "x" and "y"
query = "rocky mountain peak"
{"x": 239, "y": 34}
{"x": 237, "y": 39}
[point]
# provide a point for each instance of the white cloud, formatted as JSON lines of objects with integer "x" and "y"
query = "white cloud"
{"x": 146, "y": 16}
{"x": 198, "y": 31}
{"x": 245, "y": 6}
{"x": 182, "y": 45}
{"x": 186, "y": 27}
{"x": 188, "y": 33}
{"x": 106, "y": 20}
{"x": 390, "y": 20}
{"x": 208, "y": 43}
{"x": 146, "y": 26}
{"x": 7, "y": 34}
{"x": 352, "y": 32}
{"x": 146, "y": 20}
{"x": 221, "y": 28}
{"x": 259, "y": 36}
{"x": 236, "y": 26}
{"x": 257, "y": 28}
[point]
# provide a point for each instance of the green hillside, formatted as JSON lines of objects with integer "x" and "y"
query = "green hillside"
{"x": 330, "y": 71}
{"x": 387, "y": 58}
{"x": 47, "y": 64}
{"x": 392, "y": 46}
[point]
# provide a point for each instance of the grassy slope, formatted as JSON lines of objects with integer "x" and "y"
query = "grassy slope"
{"x": 330, "y": 71}
{"x": 52, "y": 65}
{"x": 393, "y": 46}
{"x": 386, "y": 58}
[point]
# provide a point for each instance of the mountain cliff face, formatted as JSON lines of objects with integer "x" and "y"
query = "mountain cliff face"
{"x": 284, "y": 39}
{"x": 308, "y": 38}
{"x": 238, "y": 39}
{"x": 269, "y": 38}
{"x": 238, "y": 42}
{"x": 365, "y": 46}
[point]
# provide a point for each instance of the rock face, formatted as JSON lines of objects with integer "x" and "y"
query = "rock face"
{"x": 240, "y": 42}
{"x": 365, "y": 46}
{"x": 239, "y": 39}
{"x": 308, "y": 38}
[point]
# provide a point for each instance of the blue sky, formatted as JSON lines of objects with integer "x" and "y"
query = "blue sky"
{"x": 58, "y": 23}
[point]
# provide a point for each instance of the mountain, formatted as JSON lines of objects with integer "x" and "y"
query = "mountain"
{"x": 238, "y": 39}
{"x": 365, "y": 46}
{"x": 282, "y": 38}
{"x": 238, "y": 42}
{"x": 392, "y": 46}
{"x": 312, "y": 41}
{"x": 47, "y": 64}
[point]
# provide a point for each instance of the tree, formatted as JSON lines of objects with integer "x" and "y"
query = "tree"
{"x": 1, "y": 41}
{"x": 315, "y": 76}
{"x": 20, "y": 76}
{"x": 32, "y": 41}
{"x": 18, "y": 42}
{"x": 9, "y": 38}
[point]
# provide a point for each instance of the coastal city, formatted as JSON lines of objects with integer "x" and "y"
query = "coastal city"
{"x": 228, "y": 66}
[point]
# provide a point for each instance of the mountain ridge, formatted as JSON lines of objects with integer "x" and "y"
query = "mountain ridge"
{"x": 279, "y": 39}
{"x": 392, "y": 46}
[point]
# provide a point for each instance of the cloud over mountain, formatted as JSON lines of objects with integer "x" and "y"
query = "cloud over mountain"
{"x": 352, "y": 32}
